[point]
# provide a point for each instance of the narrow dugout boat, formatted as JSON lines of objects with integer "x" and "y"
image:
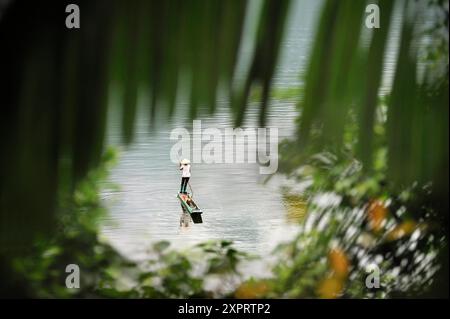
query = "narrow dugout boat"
{"x": 189, "y": 206}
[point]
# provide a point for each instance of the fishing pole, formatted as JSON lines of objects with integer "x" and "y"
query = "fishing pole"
{"x": 192, "y": 192}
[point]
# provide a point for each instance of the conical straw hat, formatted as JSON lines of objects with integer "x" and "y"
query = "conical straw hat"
{"x": 185, "y": 161}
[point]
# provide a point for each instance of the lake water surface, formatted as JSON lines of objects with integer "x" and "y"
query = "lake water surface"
{"x": 237, "y": 206}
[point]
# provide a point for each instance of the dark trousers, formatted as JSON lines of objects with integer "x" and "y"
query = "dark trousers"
{"x": 184, "y": 182}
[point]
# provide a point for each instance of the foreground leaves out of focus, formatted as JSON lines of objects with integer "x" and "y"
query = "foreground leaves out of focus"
{"x": 377, "y": 172}
{"x": 104, "y": 271}
{"x": 328, "y": 258}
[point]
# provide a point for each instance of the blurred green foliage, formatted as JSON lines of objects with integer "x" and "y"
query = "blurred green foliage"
{"x": 281, "y": 94}
{"x": 76, "y": 241}
{"x": 399, "y": 230}
{"x": 378, "y": 168}
{"x": 55, "y": 84}
{"x": 327, "y": 258}
{"x": 104, "y": 272}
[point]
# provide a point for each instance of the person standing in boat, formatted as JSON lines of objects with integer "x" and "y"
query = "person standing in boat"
{"x": 185, "y": 167}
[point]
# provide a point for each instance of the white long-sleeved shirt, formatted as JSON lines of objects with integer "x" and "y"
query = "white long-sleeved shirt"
{"x": 186, "y": 170}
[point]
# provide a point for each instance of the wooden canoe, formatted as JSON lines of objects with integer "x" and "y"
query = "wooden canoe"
{"x": 189, "y": 206}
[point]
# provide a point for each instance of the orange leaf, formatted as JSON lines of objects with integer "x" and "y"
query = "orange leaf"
{"x": 251, "y": 290}
{"x": 339, "y": 262}
{"x": 376, "y": 213}
{"x": 330, "y": 287}
{"x": 405, "y": 228}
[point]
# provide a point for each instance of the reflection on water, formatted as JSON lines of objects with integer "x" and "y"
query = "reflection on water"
{"x": 185, "y": 220}
{"x": 236, "y": 205}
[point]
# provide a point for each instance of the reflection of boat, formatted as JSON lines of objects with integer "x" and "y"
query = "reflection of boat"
{"x": 185, "y": 219}
{"x": 189, "y": 206}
